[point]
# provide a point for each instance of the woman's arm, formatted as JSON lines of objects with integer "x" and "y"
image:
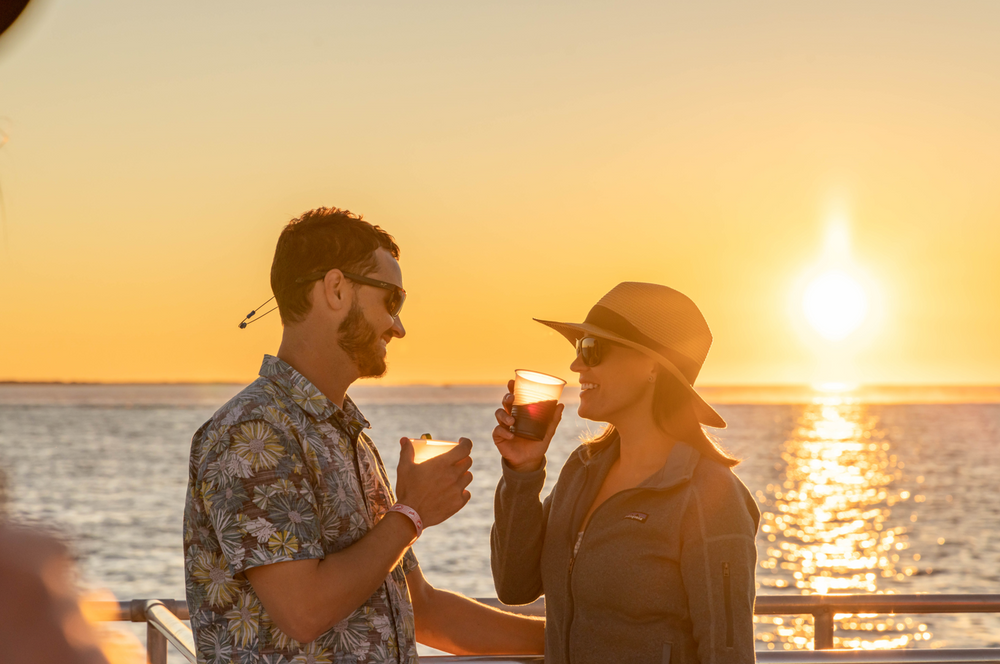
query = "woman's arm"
{"x": 456, "y": 624}
{"x": 519, "y": 519}
{"x": 519, "y": 516}
{"x": 718, "y": 562}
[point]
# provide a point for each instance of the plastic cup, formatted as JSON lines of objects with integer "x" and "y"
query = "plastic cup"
{"x": 535, "y": 398}
{"x": 426, "y": 448}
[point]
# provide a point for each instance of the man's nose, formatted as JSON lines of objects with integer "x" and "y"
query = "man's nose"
{"x": 397, "y": 328}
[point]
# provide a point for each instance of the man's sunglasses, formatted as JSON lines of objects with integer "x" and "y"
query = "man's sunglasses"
{"x": 590, "y": 350}
{"x": 393, "y": 300}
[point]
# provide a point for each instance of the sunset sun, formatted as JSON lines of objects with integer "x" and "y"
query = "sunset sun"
{"x": 835, "y": 304}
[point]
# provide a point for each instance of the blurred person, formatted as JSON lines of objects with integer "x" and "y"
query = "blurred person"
{"x": 644, "y": 549}
{"x": 42, "y": 616}
{"x": 295, "y": 546}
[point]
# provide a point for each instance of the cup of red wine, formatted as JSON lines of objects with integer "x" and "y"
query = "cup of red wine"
{"x": 535, "y": 398}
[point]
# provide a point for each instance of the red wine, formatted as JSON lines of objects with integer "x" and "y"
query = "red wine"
{"x": 531, "y": 420}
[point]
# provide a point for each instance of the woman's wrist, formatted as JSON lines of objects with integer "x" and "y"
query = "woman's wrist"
{"x": 529, "y": 466}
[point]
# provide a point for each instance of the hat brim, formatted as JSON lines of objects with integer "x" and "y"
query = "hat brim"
{"x": 573, "y": 331}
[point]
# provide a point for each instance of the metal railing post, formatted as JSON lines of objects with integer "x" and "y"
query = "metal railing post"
{"x": 156, "y": 645}
{"x": 823, "y": 630}
{"x": 163, "y": 620}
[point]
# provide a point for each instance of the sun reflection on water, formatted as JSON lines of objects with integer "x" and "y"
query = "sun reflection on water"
{"x": 828, "y": 527}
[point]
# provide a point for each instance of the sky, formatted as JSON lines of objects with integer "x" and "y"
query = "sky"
{"x": 526, "y": 156}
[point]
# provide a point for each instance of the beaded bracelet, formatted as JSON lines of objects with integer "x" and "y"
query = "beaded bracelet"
{"x": 411, "y": 514}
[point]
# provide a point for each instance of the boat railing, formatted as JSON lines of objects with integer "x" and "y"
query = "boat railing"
{"x": 163, "y": 624}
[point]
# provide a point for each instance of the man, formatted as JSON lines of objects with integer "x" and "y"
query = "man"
{"x": 295, "y": 548}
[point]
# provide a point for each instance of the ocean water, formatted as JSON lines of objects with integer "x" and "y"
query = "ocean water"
{"x": 861, "y": 493}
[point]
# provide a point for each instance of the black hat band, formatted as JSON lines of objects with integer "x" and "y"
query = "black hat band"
{"x": 607, "y": 319}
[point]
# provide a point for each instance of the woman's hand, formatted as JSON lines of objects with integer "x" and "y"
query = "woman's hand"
{"x": 523, "y": 454}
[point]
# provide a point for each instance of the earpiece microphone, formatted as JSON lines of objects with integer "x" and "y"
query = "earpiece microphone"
{"x": 246, "y": 320}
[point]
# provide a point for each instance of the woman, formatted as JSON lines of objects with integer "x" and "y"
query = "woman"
{"x": 644, "y": 549}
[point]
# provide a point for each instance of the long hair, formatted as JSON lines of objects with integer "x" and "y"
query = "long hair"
{"x": 674, "y": 414}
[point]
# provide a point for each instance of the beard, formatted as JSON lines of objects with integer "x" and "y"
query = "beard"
{"x": 360, "y": 341}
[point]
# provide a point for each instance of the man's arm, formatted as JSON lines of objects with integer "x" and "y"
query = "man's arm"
{"x": 456, "y": 624}
{"x": 307, "y": 597}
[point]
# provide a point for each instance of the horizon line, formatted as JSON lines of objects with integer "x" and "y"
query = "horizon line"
{"x": 362, "y": 382}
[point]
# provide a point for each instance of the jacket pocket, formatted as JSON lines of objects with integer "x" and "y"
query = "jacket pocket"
{"x": 667, "y": 647}
{"x": 727, "y": 598}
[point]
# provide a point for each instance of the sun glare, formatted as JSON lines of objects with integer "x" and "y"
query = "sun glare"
{"x": 835, "y": 305}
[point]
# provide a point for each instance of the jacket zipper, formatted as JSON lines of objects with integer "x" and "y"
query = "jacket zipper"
{"x": 728, "y": 599}
{"x": 572, "y": 608}
{"x": 577, "y": 548}
{"x": 576, "y": 552}
{"x": 577, "y": 544}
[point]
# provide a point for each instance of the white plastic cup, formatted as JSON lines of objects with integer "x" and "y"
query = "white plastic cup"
{"x": 426, "y": 448}
{"x": 535, "y": 398}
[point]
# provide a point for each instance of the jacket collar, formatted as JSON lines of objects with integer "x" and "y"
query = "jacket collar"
{"x": 678, "y": 469}
{"x": 308, "y": 397}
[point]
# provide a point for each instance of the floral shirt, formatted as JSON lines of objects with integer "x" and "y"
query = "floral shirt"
{"x": 281, "y": 473}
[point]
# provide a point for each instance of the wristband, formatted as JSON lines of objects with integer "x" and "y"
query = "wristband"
{"x": 410, "y": 513}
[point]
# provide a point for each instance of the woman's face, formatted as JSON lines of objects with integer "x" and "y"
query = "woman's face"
{"x": 617, "y": 386}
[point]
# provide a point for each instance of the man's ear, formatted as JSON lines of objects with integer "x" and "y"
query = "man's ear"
{"x": 337, "y": 291}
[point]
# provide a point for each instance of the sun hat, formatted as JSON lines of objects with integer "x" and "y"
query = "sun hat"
{"x": 658, "y": 321}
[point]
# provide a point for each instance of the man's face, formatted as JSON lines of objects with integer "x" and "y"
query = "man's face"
{"x": 368, "y": 327}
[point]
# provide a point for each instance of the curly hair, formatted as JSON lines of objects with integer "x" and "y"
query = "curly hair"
{"x": 324, "y": 238}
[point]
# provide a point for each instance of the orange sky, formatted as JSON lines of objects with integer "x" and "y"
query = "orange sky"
{"x": 526, "y": 158}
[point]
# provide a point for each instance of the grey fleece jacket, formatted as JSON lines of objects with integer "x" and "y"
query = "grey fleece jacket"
{"x": 664, "y": 572}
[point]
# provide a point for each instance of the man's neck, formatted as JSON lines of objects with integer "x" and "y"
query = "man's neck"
{"x": 330, "y": 370}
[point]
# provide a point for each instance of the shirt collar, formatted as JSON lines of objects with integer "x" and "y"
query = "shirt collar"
{"x": 308, "y": 397}
{"x": 679, "y": 467}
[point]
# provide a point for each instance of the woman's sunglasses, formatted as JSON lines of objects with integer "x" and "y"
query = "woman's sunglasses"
{"x": 393, "y": 300}
{"x": 590, "y": 350}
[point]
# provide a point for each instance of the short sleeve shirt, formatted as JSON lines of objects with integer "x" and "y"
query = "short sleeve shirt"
{"x": 281, "y": 473}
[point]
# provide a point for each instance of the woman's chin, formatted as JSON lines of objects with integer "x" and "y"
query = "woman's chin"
{"x": 587, "y": 412}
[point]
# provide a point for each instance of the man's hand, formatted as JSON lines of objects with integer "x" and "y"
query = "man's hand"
{"x": 436, "y": 487}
